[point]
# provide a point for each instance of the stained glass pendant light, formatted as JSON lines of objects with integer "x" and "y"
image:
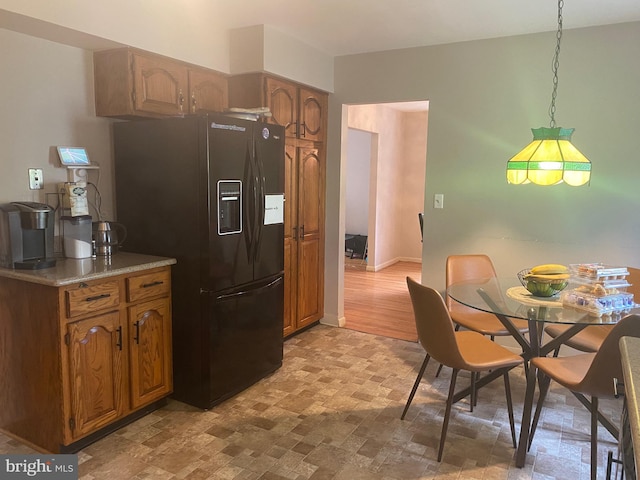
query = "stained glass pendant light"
{"x": 550, "y": 158}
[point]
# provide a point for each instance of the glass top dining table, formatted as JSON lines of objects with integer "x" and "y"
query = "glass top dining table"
{"x": 507, "y": 299}
{"x": 506, "y": 296}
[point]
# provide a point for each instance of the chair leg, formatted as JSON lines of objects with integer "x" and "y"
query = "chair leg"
{"x": 507, "y": 391}
{"x": 447, "y": 413}
{"x": 544, "y": 383}
{"x": 415, "y": 385}
{"x": 594, "y": 437}
{"x": 474, "y": 391}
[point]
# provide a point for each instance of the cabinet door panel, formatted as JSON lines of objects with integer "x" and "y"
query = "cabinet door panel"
{"x": 96, "y": 372}
{"x": 208, "y": 92}
{"x": 150, "y": 351}
{"x": 310, "y": 296}
{"x": 310, "y": 193}
{"x": 160, "y": 86}
{"x": 311, "y": 220}
{"x": 313, "y": 110}
{"x": 282, "y": 99}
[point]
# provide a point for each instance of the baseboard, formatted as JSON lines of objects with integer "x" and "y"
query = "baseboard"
{"x": 375, "y": 268}
{"x": 333, "y": 320}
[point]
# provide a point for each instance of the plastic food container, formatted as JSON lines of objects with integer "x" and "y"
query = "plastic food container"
{"x": 598, "y": 271}
{"x": 598, "y": 305}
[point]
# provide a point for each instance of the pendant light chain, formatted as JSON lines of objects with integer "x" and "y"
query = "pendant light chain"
{"x": 550, "y": 158}
{"x": 556, "y": 64}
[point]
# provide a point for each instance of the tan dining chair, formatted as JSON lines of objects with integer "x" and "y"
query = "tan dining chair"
{"x": 588, "y": 374}
{"x": 460, "y": 350}
{"x": 590, "y": 338}
{"x": 462, "y": 268}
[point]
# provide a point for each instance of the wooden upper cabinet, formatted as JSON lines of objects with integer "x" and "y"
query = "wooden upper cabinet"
{"x": 282, "y": 99}
{"x": 131, "y": 83}
{"x": 301, "y": 110}
{"x": 208, "y": 91}
{"x": 313, "y": 110}
{"x": 159, "y": 86}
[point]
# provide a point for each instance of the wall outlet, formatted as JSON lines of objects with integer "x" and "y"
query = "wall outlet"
{"x": 36, "y": 182}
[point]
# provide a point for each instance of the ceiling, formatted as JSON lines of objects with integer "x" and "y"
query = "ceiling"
{"x": 343, "y": 27}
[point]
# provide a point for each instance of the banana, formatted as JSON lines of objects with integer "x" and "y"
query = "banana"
{"x": 547, "y": 276}
{"x": 549, "y": 269}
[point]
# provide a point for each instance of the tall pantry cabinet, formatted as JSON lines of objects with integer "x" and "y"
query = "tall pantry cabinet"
{"x": 303, "y": 113}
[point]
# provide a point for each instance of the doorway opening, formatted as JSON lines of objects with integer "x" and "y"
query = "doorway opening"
{"x": 385, "y": 157}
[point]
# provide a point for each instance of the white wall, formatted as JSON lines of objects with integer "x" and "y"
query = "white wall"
{"x": 263, "y": 48}
{"x": 47, "y": 100}
{"x": 414, "y": 165}
{"x": 185, "y": 30}
{"x": 188, "y": 31}
{"x": 484, "y": 97}
{"x": 358, "y": 179}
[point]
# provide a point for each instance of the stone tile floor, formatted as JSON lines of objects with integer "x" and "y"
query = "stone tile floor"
{"x": 333, "y": 412}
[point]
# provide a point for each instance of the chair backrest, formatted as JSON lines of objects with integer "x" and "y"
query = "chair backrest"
{"x": 467, "y": 267}
{"x": 606, "y": 364}
{"x": 433, "y": 323}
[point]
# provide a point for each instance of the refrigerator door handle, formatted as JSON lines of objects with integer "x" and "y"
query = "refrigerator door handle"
{"x": 243, "y": 293}
{"x": 250, "y": 205}
{"x": 259, "y": 204}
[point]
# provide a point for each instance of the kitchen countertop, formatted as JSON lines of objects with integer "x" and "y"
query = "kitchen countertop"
{"x": 630, "y": 354}
{"x": 69, "y": 270}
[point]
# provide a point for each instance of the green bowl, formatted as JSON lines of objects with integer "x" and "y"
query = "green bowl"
{"x": 541, "y": 288}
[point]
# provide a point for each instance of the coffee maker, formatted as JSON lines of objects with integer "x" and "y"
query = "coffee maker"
{"x": 26, "y": 235}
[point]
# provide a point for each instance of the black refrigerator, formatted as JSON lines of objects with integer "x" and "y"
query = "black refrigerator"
{"x": 208, "y": 191}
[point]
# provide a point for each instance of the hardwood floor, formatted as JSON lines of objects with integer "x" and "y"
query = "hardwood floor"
{"x": 378, "y": 302}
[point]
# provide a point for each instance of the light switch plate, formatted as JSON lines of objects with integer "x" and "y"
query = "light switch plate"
{"x": 438, "y": 200}
{"x": 36, "y": 181}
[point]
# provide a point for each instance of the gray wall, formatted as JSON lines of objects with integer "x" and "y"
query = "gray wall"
{"x": 47, "y": 100}
{"x": 485, "y": 96}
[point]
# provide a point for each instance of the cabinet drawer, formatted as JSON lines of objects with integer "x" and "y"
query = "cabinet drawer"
{"x": 149, "y": 285}
{"x": 89, "y": 299}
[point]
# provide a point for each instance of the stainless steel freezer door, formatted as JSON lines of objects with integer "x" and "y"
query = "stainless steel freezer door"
{"x": 245, "y": 337}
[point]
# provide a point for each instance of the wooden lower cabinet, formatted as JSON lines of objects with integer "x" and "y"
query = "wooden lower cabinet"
{"x": 96, "y": 373}
{"x": 149, "y": 351}
{"x": 98, "y": 352}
